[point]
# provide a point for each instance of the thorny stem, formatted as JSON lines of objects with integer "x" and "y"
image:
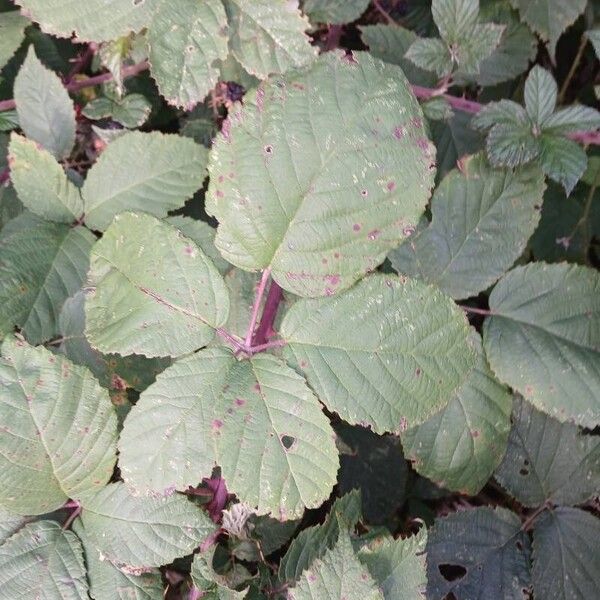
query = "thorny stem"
{"x": 574, "y": 65}
{"x": 272, "y": 303}
{"x": 477, "y": 311}
{"x": 267, "y": 346}
{"x": 73, "y": 515}
{"x": 260, "y": 292}
{"x": 534, "y": 515}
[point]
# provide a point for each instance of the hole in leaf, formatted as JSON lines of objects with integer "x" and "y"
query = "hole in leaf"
{"x": 524, "y": 471}
{"x": 138, "y": 2}
{"x": 452, "y": 572}
{"x": 519, "y": 545}
{"x": 287, "y": 441}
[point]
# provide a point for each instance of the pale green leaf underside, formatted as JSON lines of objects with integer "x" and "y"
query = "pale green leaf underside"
{"x": 398, "y": 565}
{"x": 566, "y": 561}
{"x": 489, "y": 544}
{"x": 133, "y": 531}
{"x": 107, "y": 582}
{"x": 44, "y": 562}
{"x": 91, "y": 20}
{"x": 256, "y": 419}
{"x": 149, "y": 172}
{"x": 481, "y": 220}
{"x": 59, "y": 430}
{"x": 268, "y": 36}
{"x": 389, "y": 352}
{"x": 186, "y": 39}
{"x": 46, "y": 113}
{"x": 334, "y": 11}
{"x": 153, "y": 291}
{"x": 543, "y": 338}
{"x": 12, "y": 28}
{"x": 339, "y": 575}
{"x": 10, "y": 523}
{"x": 319, "y": 174}
{"x": 41, "y": 265}
{"x": 548, "y": 460}
{"x": 460, "y": 447}
{"x": 41, "y": 183}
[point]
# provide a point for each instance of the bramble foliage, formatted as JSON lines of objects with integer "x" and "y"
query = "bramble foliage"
{"x": 299, "y": 299}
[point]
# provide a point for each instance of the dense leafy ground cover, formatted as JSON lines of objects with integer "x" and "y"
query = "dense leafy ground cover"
{"x": 299, "y": 300}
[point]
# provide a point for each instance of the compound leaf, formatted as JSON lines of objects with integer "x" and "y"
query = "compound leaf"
{"x": 186, "y": 40}
{"x": 563, "y": 160}
{"x": 46, "y": 112}
{"x": 389, "y": 352}
{"x": 59, "y": 429}
{"x": 320, "y": 196}
{"x": 135, "y": 531}
{"x": 42, "y": 561}
{"x": 543, "y": 338}
{"x": 149, "y": 172}
{"x": 153, "y": 291}
{"x": 548, "y": 461}
{"x": 481, "y": 220}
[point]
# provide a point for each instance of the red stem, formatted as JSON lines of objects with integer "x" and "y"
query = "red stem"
{"x": 4, "y": 176}
{"x": 265, "y": 327}
{"x": 477, "y": 311}
{"x": 81, "y": 62}
{"x": 260, "y": 292}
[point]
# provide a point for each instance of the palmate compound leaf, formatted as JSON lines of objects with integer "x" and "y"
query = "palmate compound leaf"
{"x": 136, "y": 531}
{"x": 388, "y": 353}
{"x": 397, "y": 565}
{"x": 460, "y": 446}
{"x": 41, "y": 265}
{"x": 478, "y": 553}
{"x": 42, "y": 561}
{"x": 153, "y": 291}
{"x": 257, "y": 419}
{"x": 566, "y": 561}
{"x": 543, "y": 338}
{"x": 46, "y": 112}
{"x": 339, "y": 575}
{"x": 481, "y": 220}
{"x": 108, "y": 582}
{"x": 320, "y": 173}
{"x": 186, "y": 39}
{"x": 548, "y": 461}
{"x": 41, "y": 183}
{"x": 149, "y": 172}
{"x": 268, "y": 36}
{"x": 58, "y": 430}
{"x": 92, "y": 20}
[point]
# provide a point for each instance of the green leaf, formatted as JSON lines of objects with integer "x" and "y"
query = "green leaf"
{"x": 320, "y": 196}
{"x": 153, "y": 291}
{"x": 41, "y": 265}
{"x": 566, "y": 562}
{"x": 339, "y": 575}
{"x": 313, "y": 542}
{"x": 397, "y": 565}
{"x": 42, "y": 561}
{"x": 9, "y": 524}
{"x": 481, "y": 221}
{"x": 256, "y": 419}
{"x": 59, "y": 430}
{"x": 10, "y": 205}
{"x": 478, "y": 46}
{"x": 388, "y": 353}
{"x": 460, "y": 447}
{"x": 334, "y": 11}
{"x": 186, "y": 39}
{"x": 390, "y": 44}
{"x": 511, "y": 146}
{"x": 9, "y": 120}
{"x": 548, "y": 461}
{"x": 211, "y": 585}
{"x": 149, "y": 172}
{"x": 431, "y": 54}
{"x": 204, "y": 237}
{"x": 107, "y": 582}
{"x": 41, "y": 183}
{"x": 130, "y": 111}
{"x": 374, "y": 465}
{"x": 46, "y": 113}
{"x": 92, "y": 20}
{"x": 572, "y": 119}
{"x": 268, "y": 36}
{"x": 562, "y": 160}
{"x": 12, "y": 32}
{"x": 455, "y": 19}
{"x": 540, "y": 95}
{"x": 489, "y": 549}
{"x": 134, "y": 532}
{"x": 542, "y": 338}
{"x": 437, "y": 108}
{"x": 549, "y": 18}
